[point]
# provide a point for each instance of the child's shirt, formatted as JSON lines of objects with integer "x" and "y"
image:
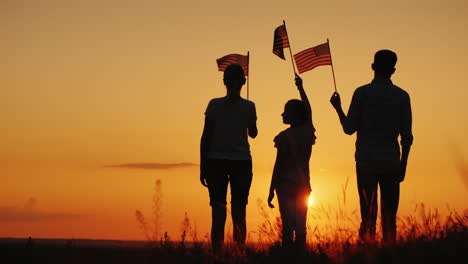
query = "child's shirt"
{"x": 294, "y": 150}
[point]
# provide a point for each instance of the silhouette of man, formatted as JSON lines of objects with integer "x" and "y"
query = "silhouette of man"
{"x": 379, "y": 112}
{"x": 225, "y": 156}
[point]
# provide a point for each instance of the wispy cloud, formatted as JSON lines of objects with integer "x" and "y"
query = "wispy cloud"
{"x": 462, "y": 168}
{"x": 153, "y": 166}
{"x": 460, "y": 162}
{"x": 11, "y": 214}
{"x": 29, "y": 213}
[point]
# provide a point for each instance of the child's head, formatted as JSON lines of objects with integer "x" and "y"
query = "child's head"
{"x": 234, "y": 77}
{"x": 295, "y": 112}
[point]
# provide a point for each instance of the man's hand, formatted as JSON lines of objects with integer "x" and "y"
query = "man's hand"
{"x": 402, "y": 172}
{"x": 270, "y": 199}
{"x": 203, "y": 180}
{"x": 335, "y": 100}
{"x": 298, "y": 81}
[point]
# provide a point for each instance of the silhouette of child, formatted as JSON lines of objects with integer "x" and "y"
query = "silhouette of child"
{"x": 291, "y": 179}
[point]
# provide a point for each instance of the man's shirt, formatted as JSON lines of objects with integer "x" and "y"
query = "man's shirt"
{"x": 379, "y": 112}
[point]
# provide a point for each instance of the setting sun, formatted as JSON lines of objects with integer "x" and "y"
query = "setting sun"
{"x": 310, "y": 201}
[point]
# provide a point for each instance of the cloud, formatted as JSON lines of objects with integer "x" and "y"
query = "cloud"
{"x": 30, "y": 204}
{"x": 153, "y": 166}
{"x": 29, "y": 213}
{"x": 460, "y": 163}
{"x": 462, "y": 168}
{"x": 11, "y": 214}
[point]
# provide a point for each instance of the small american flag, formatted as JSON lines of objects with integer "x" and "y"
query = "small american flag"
{"x": 227, "y": 60}
{"x": 280, "y": 41}
{"x": 308, "y": 59}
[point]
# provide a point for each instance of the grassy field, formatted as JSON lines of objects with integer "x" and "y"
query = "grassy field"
{"x": 425, "y": 237}
{"x": 449, "y": 246}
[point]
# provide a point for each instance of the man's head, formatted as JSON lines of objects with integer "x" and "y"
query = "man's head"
{"x": 234, "y": 77}
{"x": 384, "y": 62}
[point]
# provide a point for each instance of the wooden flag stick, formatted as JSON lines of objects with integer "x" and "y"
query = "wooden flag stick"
{"x": 248, "y": 74}
{"x": 290, "y": 52}
{"x": 333, "y": 71}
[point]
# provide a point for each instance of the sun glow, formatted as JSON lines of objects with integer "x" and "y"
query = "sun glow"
{"x": 310, "y": 201}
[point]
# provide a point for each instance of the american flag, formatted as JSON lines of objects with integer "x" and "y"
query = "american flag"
{"x": 242, "y": 60}
{"x": 310, "y": 58}
{"x": 280, "y": 41}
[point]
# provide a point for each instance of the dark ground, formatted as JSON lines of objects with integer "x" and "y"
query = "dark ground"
{"x": 452, "y": 249}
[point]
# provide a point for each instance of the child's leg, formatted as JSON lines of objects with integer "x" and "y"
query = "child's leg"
{"x": 301, "y": 219}
{"x": 286, "y": 206}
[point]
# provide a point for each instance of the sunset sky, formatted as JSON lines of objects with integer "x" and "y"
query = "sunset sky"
{"x": 89, "y": 86}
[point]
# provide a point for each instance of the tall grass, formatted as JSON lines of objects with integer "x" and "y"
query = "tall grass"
{"x": 428, "y": 224}
{"x": 332, "y": 236}
{"x": 157, "y": 209}
{"x": 153, "y": 232}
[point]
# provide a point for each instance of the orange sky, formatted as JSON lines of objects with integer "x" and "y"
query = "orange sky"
{"x": 90, "y": 84}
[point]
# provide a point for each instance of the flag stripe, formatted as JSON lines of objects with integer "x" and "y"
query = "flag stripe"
{"x": 311, "y": 65}
{"x": 280, "y": 41}
{"x": 311, "y": 58}
{"x": 227, "y": 60}
{"x": 315, "y": 60}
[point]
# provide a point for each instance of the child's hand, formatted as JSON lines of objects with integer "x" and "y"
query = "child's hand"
{"x": 270, "y": 199}
{"x": 298, "y": 81}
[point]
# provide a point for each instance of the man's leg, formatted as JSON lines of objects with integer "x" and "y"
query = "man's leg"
{"x": 367, "y": 188}
{"x": 390, "y": 196}
{"x": 240, "y": 177}
{"x": 217, "y": 185}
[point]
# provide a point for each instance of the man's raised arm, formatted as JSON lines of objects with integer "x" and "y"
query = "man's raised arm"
{"x": 349, "y": 123}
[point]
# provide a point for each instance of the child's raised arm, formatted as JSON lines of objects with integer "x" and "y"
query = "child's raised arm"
{"x": 304, "y": 98}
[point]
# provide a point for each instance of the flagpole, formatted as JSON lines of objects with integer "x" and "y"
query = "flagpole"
{"x": 248, "y": 75}
{"x": 290, "y": 52}
{"x": 331, "y": 62}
